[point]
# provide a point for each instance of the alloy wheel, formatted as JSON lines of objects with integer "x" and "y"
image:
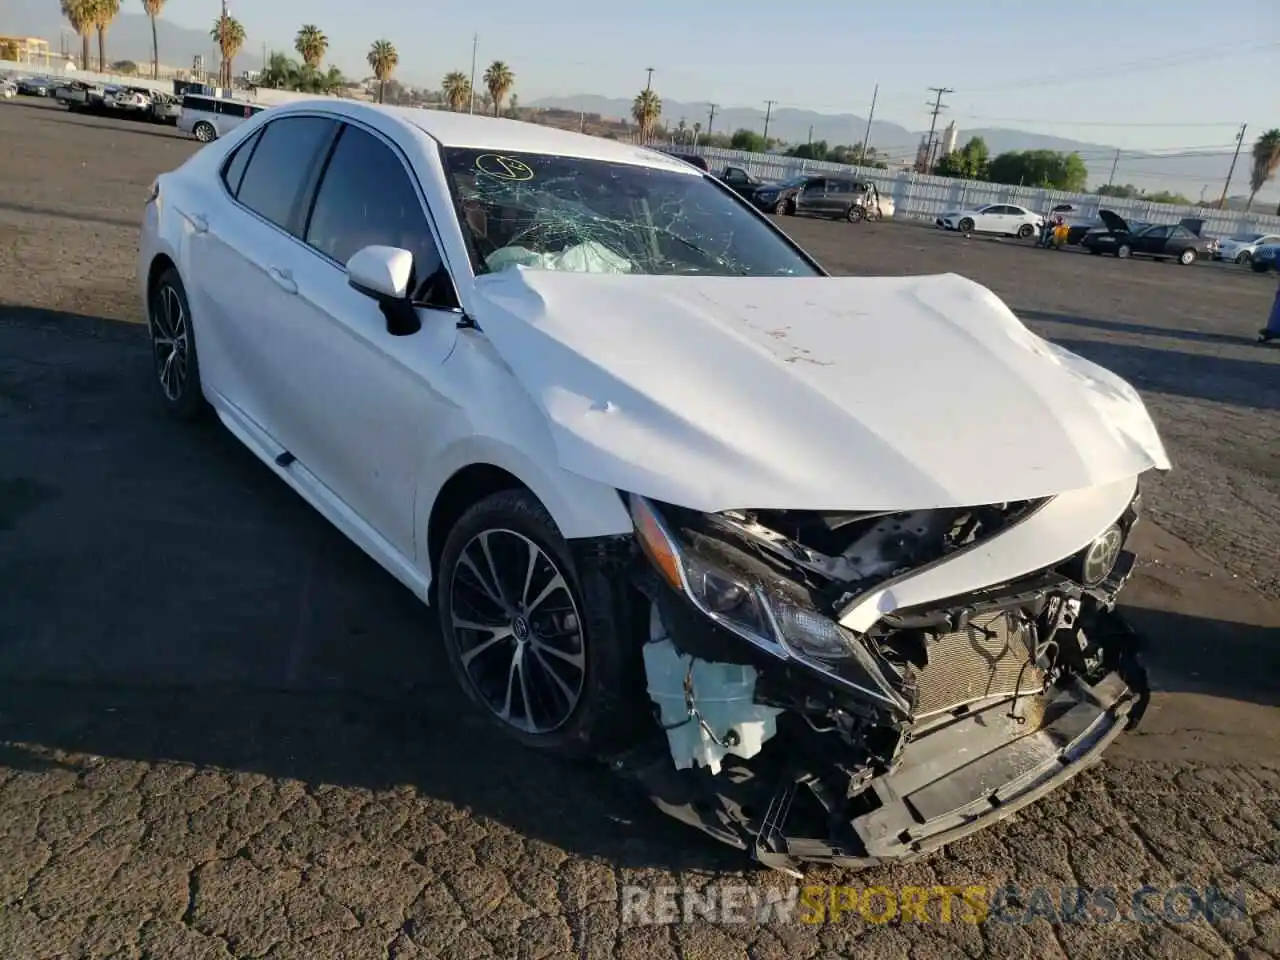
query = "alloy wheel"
{"x": 169, "y": 341}
{"x": 518, "y": 631}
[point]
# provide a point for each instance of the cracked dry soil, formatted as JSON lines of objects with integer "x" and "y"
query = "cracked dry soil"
{"x": 225, "y": 733}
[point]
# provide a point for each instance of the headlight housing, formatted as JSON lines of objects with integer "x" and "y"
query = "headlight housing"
{"x": 740, "y": 603}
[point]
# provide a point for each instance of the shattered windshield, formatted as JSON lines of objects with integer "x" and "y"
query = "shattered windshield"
{"x": 593, "y": 216}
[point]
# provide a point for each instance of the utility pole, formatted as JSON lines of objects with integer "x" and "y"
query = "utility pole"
{"x": 866, "y": 137}
{"x": 711, "y": 117}
{"x": 1222, "y": 204}
{"x": 648, "y": 84}
{"x": 582, "y": 119}
{"x": 938, "y": 107}
{"x": 475, "y": 42}
{"x": 1115, "y": 163}
{"x": 811, "y": 134}
{"x": 768, "y": 109}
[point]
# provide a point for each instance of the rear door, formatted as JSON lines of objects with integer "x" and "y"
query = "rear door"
{"x": 839, "y": 196}
{"x": 240, "y": 248}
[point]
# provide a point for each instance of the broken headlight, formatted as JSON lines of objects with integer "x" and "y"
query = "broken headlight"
{"x": 739, "y": 602}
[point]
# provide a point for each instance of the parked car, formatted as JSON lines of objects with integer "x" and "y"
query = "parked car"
{"x": 1175, "y": 241}
{"x": 208, "y": 118}
{"x": 8, "y": 89}
{"x": 839, "y": 198}
{"x": 1241, "y": 247}
{"x": 781, "y": 197}
{"x": 694, "y": 160}
{"x": 739, "y": 181}
{"x": 767, "y": 573}
{"x": 81, "y": 97}
{"x": 1266, "y": 258}
{"x": 164, "y": 108}
{"x": 36, "y": 86}
{"x": 130, "y": 100}
{"x": 1003, "y": 218}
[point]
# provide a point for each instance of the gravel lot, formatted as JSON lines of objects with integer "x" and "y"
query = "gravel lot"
{"x": 224, "y": 732}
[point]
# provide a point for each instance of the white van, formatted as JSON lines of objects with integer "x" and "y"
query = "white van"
{"x": 208, "y": 118}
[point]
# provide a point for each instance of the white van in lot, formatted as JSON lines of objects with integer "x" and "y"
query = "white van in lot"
{"x": 208, "y": 118}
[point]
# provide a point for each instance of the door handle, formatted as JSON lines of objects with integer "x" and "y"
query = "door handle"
{"x": 283, "y": 279}
{"x": 200, "y": 222}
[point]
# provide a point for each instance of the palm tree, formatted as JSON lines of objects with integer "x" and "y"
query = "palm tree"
{"x": 645, "y": 110}
{"x": 383, "y": 60}
{"x": 499, "y": 80}
{"x": 280, "y": 73}
{"x": 311, "y": 45}
{"x": 1266, "y": 161}
{"x": 104, "y": 11}
{"x": 456, "y": 89}
{"x": 79, "y": 14}
{"x": 153, "y": 10}
{"x": 228, "y": 34}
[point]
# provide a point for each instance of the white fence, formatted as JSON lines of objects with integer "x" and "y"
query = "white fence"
{"x": 920, "y": 197}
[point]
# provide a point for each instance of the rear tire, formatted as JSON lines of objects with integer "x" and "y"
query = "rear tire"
{"x": 562, "y": 621}
{"x": 1025, "y": 231}
{"x": 204, "y": 132}
{"x": 1187, "y": 257}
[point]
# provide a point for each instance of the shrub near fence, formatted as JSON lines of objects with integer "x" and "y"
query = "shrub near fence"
{"x": 922, "y": 197}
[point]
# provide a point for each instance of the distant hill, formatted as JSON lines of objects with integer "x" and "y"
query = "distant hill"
{"x": 128, "y": 39}
{"x": 1188, "y": 175}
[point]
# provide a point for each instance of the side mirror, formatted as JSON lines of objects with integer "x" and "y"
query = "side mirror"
{"x": 383, "y": 274}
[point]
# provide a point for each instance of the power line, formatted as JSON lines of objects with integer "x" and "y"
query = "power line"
{"x": 1088, "y": 123}
{"x": 1134, "y": 66}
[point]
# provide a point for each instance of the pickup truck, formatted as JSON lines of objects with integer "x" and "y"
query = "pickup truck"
{"x": 739, "y": 181}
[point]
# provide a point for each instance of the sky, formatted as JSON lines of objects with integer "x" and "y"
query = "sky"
{"x": 1140, "y": 74}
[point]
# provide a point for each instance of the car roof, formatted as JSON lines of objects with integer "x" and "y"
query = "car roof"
{"x": 493, "y": 133}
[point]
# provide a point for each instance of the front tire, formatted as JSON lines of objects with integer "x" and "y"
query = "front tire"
{"x": 536, "y": 644}
{"x": 855, "y": 214}
{"x": 1123, "y": 251}
{"x": 965, "y": 226}
{"x": 173, "y": 348}
{"x": 1245, "y": 258}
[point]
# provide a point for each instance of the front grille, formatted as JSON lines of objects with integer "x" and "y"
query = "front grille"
{"x": 991, "y": 657}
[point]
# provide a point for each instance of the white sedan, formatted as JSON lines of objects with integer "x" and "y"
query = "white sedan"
{"x": 680, "y": 499}
{"x": 1241, "y": 247}
{"x": 1003, "y": 218}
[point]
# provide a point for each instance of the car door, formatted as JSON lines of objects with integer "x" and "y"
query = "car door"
{"x": 361, "y": 405}
{"x": 812, "y": 197}
{"x": 998, "y": 218}
{"x": 236, "y": 282}
{"x": 1152, "y": 241}
{"x": 839, "y": 195}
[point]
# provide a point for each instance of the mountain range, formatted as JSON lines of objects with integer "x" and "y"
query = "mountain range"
{"x": 1189, "y": 174}
{"x": 1184, "y": 173}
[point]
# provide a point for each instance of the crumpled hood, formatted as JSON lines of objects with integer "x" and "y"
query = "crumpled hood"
{"x": 810, "y": 393}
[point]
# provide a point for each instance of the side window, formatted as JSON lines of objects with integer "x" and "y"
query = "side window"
{"x": 233, "y": 172}
{"x": 815, "y": 186}
{"x": 281, "y": 166}
{"x": 837, "y": 186}
{"x": 366, "y": 197}
{"x": 1158, "y": 232}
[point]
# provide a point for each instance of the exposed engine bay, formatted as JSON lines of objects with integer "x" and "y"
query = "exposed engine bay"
{"x": 789, "y": 735}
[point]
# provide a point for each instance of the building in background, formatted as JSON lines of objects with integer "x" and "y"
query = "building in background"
{"x": 29, "y": 50}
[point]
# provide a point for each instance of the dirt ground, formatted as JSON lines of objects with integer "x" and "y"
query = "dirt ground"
{"x": 225, "y": 732}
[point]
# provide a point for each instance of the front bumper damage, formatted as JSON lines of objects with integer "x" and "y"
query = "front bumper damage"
{"x": 1016, "y": 689}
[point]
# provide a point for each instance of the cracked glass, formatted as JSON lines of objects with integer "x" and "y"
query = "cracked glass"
{"x": 552, "y": 212}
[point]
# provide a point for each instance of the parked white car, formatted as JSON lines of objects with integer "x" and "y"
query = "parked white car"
{"x": 8, "y": 89}
{"x": 1242, "y": 247}
{"x": 128, "y": 99}
{"x": 681, "y": 499}
{"x": 1003, "y": 218}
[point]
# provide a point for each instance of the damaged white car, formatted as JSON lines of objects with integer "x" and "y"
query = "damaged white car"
{"x": 826, "y": 564}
